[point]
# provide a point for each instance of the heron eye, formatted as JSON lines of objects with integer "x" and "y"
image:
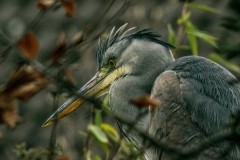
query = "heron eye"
{"x": 112, "y": 63}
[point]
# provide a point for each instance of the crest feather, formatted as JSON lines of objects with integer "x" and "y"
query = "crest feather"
{"x": 120, "y": 34}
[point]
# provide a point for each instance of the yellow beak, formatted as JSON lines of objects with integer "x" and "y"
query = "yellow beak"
{"x": 96, "y": 87}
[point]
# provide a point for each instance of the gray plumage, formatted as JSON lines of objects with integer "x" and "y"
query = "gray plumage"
{"x": 197, "y": 88}
{"x": 113, "y": 38}
{"x": 197, "y": 100}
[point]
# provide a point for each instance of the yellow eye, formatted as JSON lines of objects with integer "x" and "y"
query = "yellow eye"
{"x": 112, "y": 63}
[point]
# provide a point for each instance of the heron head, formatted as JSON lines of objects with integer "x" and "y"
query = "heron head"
{"x": 118, "y": 56}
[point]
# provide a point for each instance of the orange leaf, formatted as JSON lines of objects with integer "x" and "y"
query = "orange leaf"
{"x": 145, "y": 101}
{"x": 43, "y": 4}
{"x": 70, "y": 7}
{"x": 29, "y": 45}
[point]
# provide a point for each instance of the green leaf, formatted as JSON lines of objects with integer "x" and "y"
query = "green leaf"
{"x": 105, "y": 106}
{"x": 184, "y": 18}
{"x": 110, "y": 131}
{"x": 97, "y": 158}
{"x": 84, "y": 134}
{"x": 87, "y": 154}
{"x": 98, "y": 117}
{"x": 100, "y": 136}
{"x": 193, "y": 44}
{"x": 98, "y": 133}
{"x": 105, "y": 148}
{"x": 104, "y": 35}
{"x": 190, "y": 28}
{"x": 203, "y": 7}
{"x": 106, "y": 101}
{"x": 183, "y": 47}
{"x": 204, "y": 36}
{"x": 171, "y": 35}
{"x": 217, "y": 58}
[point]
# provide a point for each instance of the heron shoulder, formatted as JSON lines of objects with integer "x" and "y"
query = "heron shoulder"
{"x": 210, "y": 79}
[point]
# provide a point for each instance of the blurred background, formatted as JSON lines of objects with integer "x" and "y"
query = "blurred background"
{"x": 219, "y": 26}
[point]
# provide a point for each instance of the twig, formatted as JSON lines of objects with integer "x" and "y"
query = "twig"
{"x": 114, "y": 151}
{"x": 52, "y": 141}
{"x": 89, "y": 137}
{"x": 91, "y": 26}
{"x": 180, "y": 34}
{"x": 116, "y": 148}
{"x": 32, "y": 24}
{"x": 35, "y": 20}
{"x": 122, "y": 9}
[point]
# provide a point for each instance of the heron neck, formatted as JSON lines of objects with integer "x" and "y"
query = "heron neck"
{"x": 120, "y": 93}
{"x": 125, "y": 89}
{"x": 134, "y": 86}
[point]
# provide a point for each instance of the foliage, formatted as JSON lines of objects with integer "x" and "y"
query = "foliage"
{"x": 186, "y": 28}
{"x": 22, "y": 152}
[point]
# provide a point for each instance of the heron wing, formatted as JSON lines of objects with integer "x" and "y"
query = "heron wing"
{"x": 209, "y": 91}
{"x": 197, "y": 98}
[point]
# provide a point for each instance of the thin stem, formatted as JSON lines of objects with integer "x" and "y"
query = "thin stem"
{"x": 180, "y": 32}
{"x": 35, "y": 20}
{"x": 52, "y": 141}
{"x": 95, "y": 23}
{"x": 32, "y": 24}
{"x": 88, "y": 141}
{"x": 122, "y": 9}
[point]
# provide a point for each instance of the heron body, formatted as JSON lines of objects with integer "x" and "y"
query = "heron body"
{"x": 196, "y": 101}
{"x": 195, "y": 96}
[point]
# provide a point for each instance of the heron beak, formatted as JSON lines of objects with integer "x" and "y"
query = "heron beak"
{"x": 95, "y": 87}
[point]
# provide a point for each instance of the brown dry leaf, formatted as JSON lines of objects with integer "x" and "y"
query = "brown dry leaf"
{"x": 145, "y": 101}
{"x": 62, "y": 158}
{"x": 9, "y": 111}
{"x": 44, "y": 4}
{"x": 60, "y": 49}
{"x": 22, "y": 84}
{"x": 25, "y": 82}
{"x": 70, "y": 7}
{"x": 29, "y": 45}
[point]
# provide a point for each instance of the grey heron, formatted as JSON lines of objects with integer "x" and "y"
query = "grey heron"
{"x": 195, "y": 97}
